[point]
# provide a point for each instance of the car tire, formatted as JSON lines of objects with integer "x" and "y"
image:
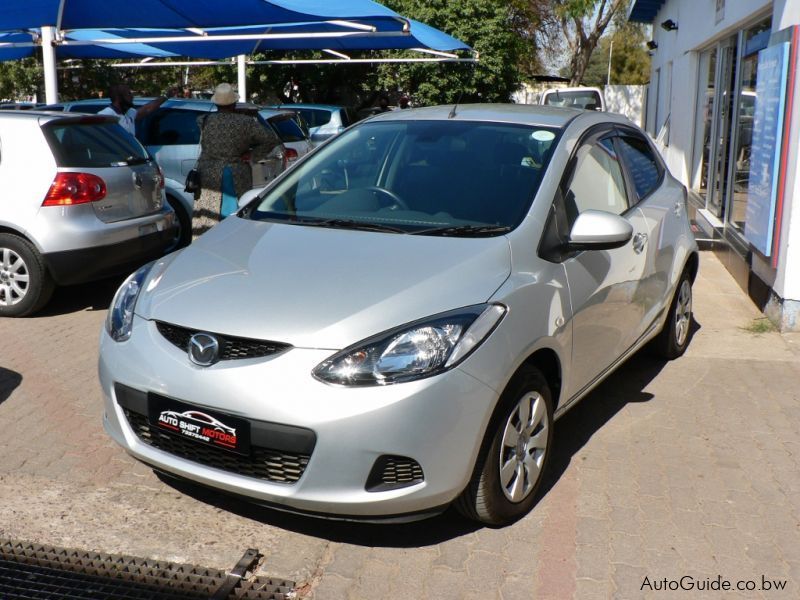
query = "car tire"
{"x": 184, "y": 234}
{"x": 497, "y": 496}
{"x": 673, "y": 339}
{"x": 25, "y": 284}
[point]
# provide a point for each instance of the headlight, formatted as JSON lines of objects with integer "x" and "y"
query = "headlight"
{"x": 119, "y": 321}
{"x": 413, "y": 351}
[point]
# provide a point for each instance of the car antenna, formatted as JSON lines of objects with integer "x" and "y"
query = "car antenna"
{"x": 455, "y": 106}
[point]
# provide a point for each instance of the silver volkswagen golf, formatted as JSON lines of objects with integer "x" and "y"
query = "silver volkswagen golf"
{"x": 394, "y": 324}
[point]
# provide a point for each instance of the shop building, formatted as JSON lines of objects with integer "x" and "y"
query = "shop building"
{"x": 724, "y": 106}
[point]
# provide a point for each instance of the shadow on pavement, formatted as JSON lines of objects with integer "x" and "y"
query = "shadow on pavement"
{"x": 96, "y": 295}
{"x": 9, "y": 381}
{"x": 576, "y": 427}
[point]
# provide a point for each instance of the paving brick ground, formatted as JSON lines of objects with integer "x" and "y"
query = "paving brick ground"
{"x": 685, "y": 469}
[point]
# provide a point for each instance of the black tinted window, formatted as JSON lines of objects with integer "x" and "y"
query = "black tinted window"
{"x": 287, "y": 128}
{"x": 170, "y": 127}
{"x": 98, "y": 144}
{"x": 642, "y": 165}
{"x": 315, "y": 117}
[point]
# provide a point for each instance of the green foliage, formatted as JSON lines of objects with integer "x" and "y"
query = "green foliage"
{"x": 630, "y": 63}
{"x": 498, "y": 29}
{"x": 20, "y": 79}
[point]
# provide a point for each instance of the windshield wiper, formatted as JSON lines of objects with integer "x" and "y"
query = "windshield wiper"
{"x": 135, "y": 160}
{"x": 349, "y": 224}
{"x": 463, "y": 230}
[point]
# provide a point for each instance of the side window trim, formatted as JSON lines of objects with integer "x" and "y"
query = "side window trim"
{"x": 623, "y": 132}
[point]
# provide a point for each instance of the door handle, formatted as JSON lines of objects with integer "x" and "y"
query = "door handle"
{"x": 639, "y": 241}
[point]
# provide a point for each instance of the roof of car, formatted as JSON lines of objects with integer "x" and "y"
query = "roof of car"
{"x": 524, "y": 114}
{"x": 47, "y": 115}
{"x": 330, "y": 107}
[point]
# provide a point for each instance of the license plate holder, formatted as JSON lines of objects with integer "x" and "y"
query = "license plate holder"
{"x": 207, "y": 427}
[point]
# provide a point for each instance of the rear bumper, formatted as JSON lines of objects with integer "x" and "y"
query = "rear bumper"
{"x": 87, "y": 264}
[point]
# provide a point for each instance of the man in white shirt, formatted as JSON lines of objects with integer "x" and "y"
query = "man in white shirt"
{"x": 122, "y": 106}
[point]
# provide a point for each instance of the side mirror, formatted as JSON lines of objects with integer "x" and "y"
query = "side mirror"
{"x": 249, "y": 195}
{"x": 599, "y": 230}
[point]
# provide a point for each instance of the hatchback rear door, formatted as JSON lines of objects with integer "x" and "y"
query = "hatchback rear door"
{"x": 100, "y": 147}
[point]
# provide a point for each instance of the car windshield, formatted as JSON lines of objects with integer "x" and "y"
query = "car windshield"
{"x": 576, "y": 98}
{"x": 421, "y": 177}
{"x": 86, "y": 143}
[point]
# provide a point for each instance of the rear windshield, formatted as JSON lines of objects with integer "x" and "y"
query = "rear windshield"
{"x": 589, "y": 99}
{"x": 79, "y": 144}
{"x": 288, "y": 129}
{"x": 315, "y": 117}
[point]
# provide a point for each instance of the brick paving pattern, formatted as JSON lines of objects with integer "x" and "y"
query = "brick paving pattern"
{"x": 689, "y": 468}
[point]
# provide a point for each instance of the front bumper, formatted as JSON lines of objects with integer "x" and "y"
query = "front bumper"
{"x": 438, "y": 422}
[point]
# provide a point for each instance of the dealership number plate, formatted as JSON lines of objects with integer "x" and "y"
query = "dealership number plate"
{"x": 199, "y": 424}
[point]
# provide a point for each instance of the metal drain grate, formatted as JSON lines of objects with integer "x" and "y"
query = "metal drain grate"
{"x": 34, "y": 572}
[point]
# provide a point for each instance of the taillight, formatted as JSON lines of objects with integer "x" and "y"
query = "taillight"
{"x": 75, "y": 188}
{"x": 160, "y": 177}
{"x": 291, "y": 154}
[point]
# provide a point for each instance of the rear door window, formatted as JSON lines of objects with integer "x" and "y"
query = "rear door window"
{"x": 643, "y": 166}
{"x": 315, "y": 117}
{"x": 287, "y": 128}
{"x": 93, "y": 144}
{"x": 170, "y": 127}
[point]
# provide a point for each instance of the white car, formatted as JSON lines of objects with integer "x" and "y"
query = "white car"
{"x": 588, "y": 98}
{"x": 394, "y": 324}
{"x": 80, "y": 199}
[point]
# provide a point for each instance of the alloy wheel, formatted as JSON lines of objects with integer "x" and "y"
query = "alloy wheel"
{"x": 14, "y": 277}
{"x": 524, "y": 445}
{"x": 683, "y": 312}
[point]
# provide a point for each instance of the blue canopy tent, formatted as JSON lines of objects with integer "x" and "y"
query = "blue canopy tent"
{"x": 207, "y": 29}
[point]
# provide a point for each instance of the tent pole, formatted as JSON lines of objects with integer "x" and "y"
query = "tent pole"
{"x": 241, "y": 69}
{"x": 49, "y": 59}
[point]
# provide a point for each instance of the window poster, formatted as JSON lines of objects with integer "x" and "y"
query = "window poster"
{"x": 767, "y": 140}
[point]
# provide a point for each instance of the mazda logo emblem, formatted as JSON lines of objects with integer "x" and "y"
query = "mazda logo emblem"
{"x": 203, "y": 349}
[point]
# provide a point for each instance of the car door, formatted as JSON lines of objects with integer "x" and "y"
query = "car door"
{"x": 607, "y": 318}
{"x": 172, "y": 136}
{"x": 663, "y": 207}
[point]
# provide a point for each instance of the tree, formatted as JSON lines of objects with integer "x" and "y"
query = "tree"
{"x": 630, "y": 63}
{"x": 491, "y": 27}
{"x": 20, "y": 79}
{"x": 582, "y": 24}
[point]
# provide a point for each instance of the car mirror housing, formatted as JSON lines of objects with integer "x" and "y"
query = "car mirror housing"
{"x": 599, "y": 230}
{"x": 249, "y": 195}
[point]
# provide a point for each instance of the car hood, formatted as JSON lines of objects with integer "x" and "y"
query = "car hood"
{"x": 315, "y": 287}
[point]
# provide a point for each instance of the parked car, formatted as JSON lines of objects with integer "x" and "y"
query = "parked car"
{"x": 80, "y": 199}
{"x": 287, "y": 127}
{"x": 324, "y": 120}
{"x": 588, "y": 98}
{"x": 394, "y": 324}
{"x": 20, "y": 105}
{"x": 172, "y": 136}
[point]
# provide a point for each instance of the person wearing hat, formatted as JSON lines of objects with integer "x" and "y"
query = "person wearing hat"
{"x": 229, "y": 140}
{"x": 122, "y": 106}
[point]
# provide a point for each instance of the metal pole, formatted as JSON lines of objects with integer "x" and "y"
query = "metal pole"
{"x": 610, "y": 51}
{"x": 49, "y": 59}
{"x": 241, "y": 68}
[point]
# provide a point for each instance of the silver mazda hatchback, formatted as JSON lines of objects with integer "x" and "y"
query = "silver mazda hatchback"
{"x": 393, "y": 325}
{"x": 80, "y": 199}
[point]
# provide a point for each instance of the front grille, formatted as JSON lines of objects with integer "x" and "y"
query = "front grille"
{"x": 271, "y": 465}
{"x": 392, "y": 472}
{"x": 231, "y": 348}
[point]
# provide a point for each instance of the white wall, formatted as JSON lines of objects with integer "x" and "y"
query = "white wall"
{"x": 627, "y": 100}
{"x": 698, "y": 29}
